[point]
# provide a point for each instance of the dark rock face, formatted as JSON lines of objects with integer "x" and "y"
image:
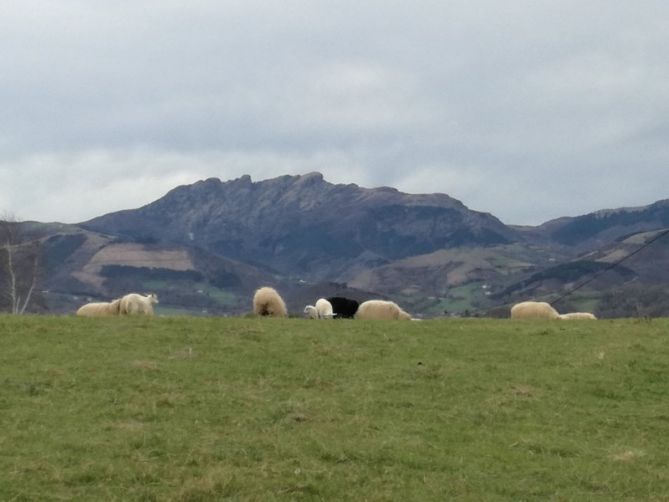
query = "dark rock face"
{"x": 305, "y": 225}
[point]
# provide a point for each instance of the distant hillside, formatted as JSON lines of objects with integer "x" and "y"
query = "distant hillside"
{"x": 592, "y": 231}
{"x": 205, "y": 247}
{"x": 80, "y": 265}
{"x": 618, "y": 266}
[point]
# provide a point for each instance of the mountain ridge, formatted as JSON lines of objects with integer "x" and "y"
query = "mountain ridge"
{"x": 303, "y": 224}
{"x": 303, "y": 234}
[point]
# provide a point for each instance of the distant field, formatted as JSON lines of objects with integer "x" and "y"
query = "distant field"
{"x": 460, "y": 299}
{"x": 260, "y": 409}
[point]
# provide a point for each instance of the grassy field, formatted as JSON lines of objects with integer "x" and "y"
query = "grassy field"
{"x": 460, "y": 299}
{"x": 263, "y": 409}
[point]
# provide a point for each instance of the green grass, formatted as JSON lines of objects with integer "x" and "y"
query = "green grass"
{"x": 459, "y": 299}
{"x": 583, "y": 301}
{"x": 170, "y": 310}
{"x": 264, "y": 409}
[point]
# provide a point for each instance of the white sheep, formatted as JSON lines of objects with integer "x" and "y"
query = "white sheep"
{"x": 533, "y": 310}
{"x": 311, "y": 312}
{"x": 322, "y": 310}
{"x": 268, "y": 302}
{"x": 133, "y": 304}
{"x": 580, "y": 316}
{"x": 380, "y": 310}
{"x": 99, "y": 309}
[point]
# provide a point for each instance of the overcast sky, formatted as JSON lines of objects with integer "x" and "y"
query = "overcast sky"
{"x": 528, "y": 109}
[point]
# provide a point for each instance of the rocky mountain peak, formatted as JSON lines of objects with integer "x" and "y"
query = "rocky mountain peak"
{"x": 304, "y": 224}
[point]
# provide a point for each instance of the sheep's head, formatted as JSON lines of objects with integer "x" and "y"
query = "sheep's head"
{"x": 153, "y": 298}
{"x": 311, "y": 311}
{"x": 404, "y": 316}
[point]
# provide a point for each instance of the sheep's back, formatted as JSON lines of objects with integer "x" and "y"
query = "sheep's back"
{"x": 533, "y": 310}
{"x": 98, "y": 309}
{"x": 134, "y": 303}
{"x": 579, "y": 316}
{"x": 268, "y": 302}
{"x": 378, "y": 310}
{"x": 324, "y": 308}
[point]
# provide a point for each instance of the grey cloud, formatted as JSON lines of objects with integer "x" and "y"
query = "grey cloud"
{"x": 526, "y": 109}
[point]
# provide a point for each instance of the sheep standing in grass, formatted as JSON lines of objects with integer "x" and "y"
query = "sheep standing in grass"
{"x": 343, "y": 308}
{"x": 267, "y": 302}
{"x": 533, "y": 310}
{"x": 322, "y": 310}
{"x": 99, "y": 309}
{"x": 579, "y": 316}
{"x": 381, "y": 310}
{"x": 135, "y": 304}
{"x": 311, "y": 312}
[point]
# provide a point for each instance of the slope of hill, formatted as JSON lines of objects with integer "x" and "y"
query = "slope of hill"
{"x": 617, "y": 267}
{"x": 81, "y": 265}
{"x": 594, "y": 230}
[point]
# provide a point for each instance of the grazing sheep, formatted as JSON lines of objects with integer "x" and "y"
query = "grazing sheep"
{"x": 99, "y": 309}
{"x": 581, "y": 316}
{"x": 343, "y": 307}
{"x": 133, "y": 303}
{"x": 324, "y": 308}
{"x": 381, "y": 310}
{"x": 533, "y": 310}
{"x": 267, "y": 302}
{"x": 311, "y": 311}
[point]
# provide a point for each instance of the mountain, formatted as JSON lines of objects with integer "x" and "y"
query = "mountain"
{"x": 305, "y": 226}
{"x": 205, "y": 247}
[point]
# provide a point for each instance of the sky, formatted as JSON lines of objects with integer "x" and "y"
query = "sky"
{"x": 527, "y": 109}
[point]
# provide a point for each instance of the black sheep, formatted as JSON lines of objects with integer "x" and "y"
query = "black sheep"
{"x": 343, "y": 307}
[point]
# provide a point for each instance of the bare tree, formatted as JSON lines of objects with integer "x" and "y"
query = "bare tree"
{"x": 19, "y": 265}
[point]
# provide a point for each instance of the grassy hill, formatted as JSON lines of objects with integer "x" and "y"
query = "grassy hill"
{"x": 263, "y": 409}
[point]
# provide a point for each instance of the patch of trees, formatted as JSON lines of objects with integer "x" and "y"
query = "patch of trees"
{"x": 60, "y": 247}
{"x": 224, "y": 279}
{"x": 148, "y": 273}
{"x": 566, "y": 273}
{"x": 635, "y": 301}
